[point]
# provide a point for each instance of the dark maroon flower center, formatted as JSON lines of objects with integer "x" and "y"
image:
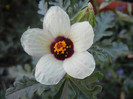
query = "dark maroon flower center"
{"x": 62, "y": 48}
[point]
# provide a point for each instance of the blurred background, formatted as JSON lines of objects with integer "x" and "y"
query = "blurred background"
{"x": 17, "y": 15}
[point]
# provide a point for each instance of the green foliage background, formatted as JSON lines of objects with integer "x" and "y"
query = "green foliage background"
{"x": 111, "y": 48}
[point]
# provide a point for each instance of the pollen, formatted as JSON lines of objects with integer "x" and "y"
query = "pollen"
{"x": 42, "y": 43}
{"x": 61, "y": 47}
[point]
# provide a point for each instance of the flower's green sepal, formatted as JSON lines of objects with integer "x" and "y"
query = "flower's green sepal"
{"x": 80, "y": 16}
{"x": 87, "y": 14}
{"x": 91, "y": 14}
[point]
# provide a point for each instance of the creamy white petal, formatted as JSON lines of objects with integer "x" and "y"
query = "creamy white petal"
{"x": 82, "y": 36}
{"x": 80, "y": 65}
{"x": 35, "y": 42}
{"x": 56, "y": 21}
{"x": 49, "y": 70}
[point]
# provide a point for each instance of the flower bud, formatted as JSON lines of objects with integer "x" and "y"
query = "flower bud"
{"x": 91, "y": 14}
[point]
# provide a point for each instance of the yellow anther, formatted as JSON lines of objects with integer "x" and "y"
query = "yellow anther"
{"x": 62, "y": 52}
{"x": 41, "y": 41}
{"x": 61, "y": 47}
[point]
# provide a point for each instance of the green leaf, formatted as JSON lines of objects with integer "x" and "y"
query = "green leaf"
{"x": 95, "y": 77}
{"x": 89, "y": 93}
{"x": 106, "y": 50}
{"x": 103, "y": 23}
{"x": 116, "y": 49}
{"x": 59, "y": 93}
{"x": 73, "y": 94}
{"x": 19, "y": 71}
{"x": 65, "y": 91}
{"x": 22, "y": 87}
{"x": 43, "y": 7}
{"x": 100, "y": 53}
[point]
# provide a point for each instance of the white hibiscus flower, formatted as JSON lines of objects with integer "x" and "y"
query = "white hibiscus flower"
{"x": 61, "y": 48}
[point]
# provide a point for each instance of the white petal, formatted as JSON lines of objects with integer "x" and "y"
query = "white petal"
{"x": 49, "y": 71}
{"x": 35, "y": 42}
{"x": 80, "y": 65}
{"x": 56, "y": 21}
{"x": 82, "y": 36}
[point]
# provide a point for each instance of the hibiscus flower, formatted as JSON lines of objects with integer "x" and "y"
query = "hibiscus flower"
{"x": 62, "y": 48}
